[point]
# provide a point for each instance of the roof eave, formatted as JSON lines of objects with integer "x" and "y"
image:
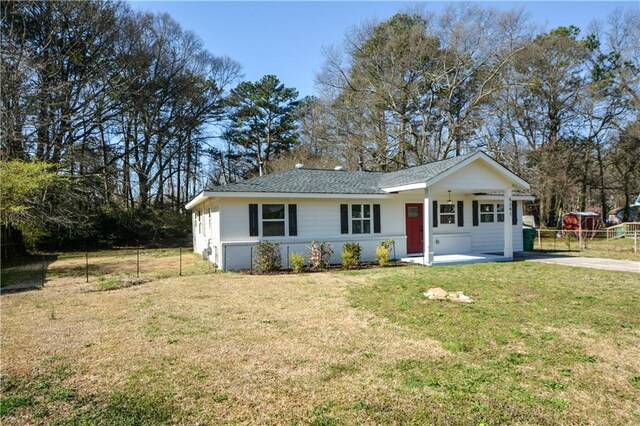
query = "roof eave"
{"x": 239, "y": 194}
{"x": 408, "y": 187}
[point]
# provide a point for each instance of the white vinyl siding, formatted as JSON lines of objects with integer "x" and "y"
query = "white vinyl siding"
{"x": 319, "y": 219}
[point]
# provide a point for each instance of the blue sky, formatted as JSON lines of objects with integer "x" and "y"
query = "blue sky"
{"x": 286, "y": 38}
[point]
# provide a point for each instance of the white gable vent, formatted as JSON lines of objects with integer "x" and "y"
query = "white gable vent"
{"x": 299, "y": 166}
{"x": 338, "y": 168}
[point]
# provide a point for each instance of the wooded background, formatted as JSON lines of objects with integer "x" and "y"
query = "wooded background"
{"x": 113, "y": 119}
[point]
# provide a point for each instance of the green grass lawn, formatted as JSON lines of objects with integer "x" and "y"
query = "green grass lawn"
{"x": 538, "y": 343}
{"x": 542, "y": 344}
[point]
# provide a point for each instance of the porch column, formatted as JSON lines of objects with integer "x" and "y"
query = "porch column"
{"x": 508, "y": 225}
{"x": 427, "y": 228}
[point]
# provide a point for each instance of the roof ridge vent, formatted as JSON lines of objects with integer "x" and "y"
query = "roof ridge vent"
{"x": 299, "y": 166}
{"x": 338, "y": 168}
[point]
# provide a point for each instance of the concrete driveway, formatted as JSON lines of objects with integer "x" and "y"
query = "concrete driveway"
{"x": 582, "y": 262}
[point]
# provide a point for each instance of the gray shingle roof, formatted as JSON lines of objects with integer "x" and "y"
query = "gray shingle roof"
{"x": 420, "y": 174}
{"x": 310, "y": 181}
{"x": 317, "y": 181}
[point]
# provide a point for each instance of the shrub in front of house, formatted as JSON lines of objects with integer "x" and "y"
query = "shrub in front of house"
{"x": 383, "y": 252}
{"x": 320, "y": 254}
{"x": 266, "y": 257}
{"x": 297, "y": 262}
{"x": 351, "y": 255}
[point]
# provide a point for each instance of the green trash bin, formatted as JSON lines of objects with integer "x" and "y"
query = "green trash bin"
{"x": 528, "y": 238}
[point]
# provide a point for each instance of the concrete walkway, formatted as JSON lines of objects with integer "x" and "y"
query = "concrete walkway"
{"x": 582, "y": 262}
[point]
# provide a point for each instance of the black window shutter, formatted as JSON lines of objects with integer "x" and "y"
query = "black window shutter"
{"x": 460, "y": 213}
{"x": 475, "y": 209}
{"x": 435, "y": 214}
{"x": 376, "y": 218}
{"x": 293, "y": 220}
{"x": 344, "y": 218}
{"x": 514, "y": 212}
{"x": 253, "y": 220}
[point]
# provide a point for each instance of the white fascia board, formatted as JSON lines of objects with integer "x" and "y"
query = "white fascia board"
{"x": 289, "y": 195}
{"x": 520, "y": 183}
{"x": 401, "y": 188}
{"x": 493, "y": 197}
{"x": 197, "y": 200}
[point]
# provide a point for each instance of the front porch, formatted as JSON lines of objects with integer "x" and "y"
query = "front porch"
{"x": 457, "y": 259}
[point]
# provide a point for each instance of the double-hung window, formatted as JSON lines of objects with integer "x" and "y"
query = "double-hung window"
{"x": 361, "y": 218}
{"x": 447, "y": 214}
{"x": 490, "y": 213}
{"x": 273, "y": 222}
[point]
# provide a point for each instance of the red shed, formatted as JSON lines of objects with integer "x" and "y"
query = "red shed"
{"x": 580, "y": 221}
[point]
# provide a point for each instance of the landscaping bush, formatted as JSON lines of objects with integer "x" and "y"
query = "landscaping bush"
{"x": 297, "y": 262}
{"x": 383, "y": 252}
{"x": 351, "y": 255}
{"x": 266, "y": 257}
{"x": 320, "y": 255}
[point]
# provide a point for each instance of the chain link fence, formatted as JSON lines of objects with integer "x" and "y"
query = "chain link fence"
{"x": 100, "y": 267}
{"x": 593, "y": 243}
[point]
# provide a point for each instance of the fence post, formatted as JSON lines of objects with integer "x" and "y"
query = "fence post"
{"x": 635, "y": 242}
{"x": 138, "y": 262}
{"x": 180, "y": 273}
{"x": 43, "y": 271}
{"x": 251, "y": 261}
{"x": 86, "y": 261}
{"x": 580, "y": 239}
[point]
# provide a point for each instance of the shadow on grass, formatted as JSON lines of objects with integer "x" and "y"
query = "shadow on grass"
{"x": 25, "y": 274}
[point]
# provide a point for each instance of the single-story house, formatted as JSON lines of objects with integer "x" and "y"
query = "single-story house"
{"x": 467, "y": 207}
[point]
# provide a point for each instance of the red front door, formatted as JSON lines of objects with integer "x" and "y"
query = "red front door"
{"x": 413, "y": 215}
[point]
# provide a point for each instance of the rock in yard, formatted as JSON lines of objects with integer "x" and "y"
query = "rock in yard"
{"x": 441, "y": 294}
{"x": 436, "y": 293}
{"x": 459, "y": 296}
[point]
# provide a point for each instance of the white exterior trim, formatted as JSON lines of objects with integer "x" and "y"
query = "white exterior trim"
{"x": 488, "y": 160}
{"x": 285, "y": 195}
{"x": 499, "y": 197}
{"x": 517, "y": 181}
{"x": 405, "y": 187}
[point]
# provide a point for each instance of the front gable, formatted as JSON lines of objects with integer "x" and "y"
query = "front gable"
{"x": 473, "y": 177}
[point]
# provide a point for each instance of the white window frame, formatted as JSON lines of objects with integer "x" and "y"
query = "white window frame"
{"x": 453, "y": 214}
{"x": 497, "y": 213}
{"x": 361, "y": 219}
{"x": 285, "y": 220}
